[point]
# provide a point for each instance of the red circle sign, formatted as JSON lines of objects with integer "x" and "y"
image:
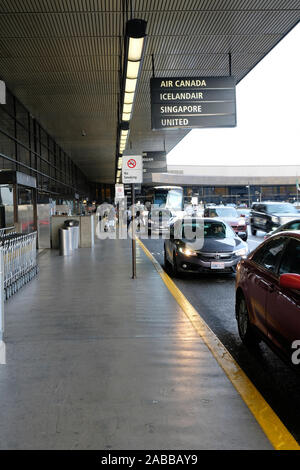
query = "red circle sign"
{"x": 131, "y": 163}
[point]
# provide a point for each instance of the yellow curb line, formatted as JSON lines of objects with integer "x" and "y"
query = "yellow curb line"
{"x": 276, "y": 432}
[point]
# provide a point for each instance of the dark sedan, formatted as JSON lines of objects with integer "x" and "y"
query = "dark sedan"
{"x": 203, "y": 245}
{"x": 292, "y": 225}
{"x": 268, "y": 295}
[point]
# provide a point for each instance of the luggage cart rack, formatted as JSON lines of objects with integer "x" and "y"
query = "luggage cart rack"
{"x": 19, "y": 260}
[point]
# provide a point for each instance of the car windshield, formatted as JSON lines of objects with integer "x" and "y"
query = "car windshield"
{"x": 243, "y": 211}
{"x": 208, "y": 229}
{"x": 284, "y": 208}
{"x": 223, "y": 212}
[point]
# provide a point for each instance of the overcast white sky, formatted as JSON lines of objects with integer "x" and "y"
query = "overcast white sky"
{"x": 268, "y": 117}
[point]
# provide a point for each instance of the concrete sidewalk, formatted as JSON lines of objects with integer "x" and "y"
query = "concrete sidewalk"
{"x": 96, "y": 360}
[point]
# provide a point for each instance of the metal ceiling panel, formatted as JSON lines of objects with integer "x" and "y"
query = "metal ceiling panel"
{"x": 61, "y": 59}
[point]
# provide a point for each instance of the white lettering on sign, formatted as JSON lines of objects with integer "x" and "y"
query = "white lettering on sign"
{"x": 166, "y": 83}
{"x": 174, "y": 122}
{"x": 182, "y": 83}
{"x": 181, "y": 96}
{"x": 181, "y": 109}
{"x": 190, "y": 83}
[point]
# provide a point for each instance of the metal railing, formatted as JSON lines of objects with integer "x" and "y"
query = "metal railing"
{"x": 19, "y": 260}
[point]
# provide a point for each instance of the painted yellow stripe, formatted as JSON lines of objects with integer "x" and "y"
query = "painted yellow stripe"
{"x": 272, "y": 426}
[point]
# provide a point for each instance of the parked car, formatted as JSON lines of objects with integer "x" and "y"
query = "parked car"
{"x": 268, "y": 294}
{"x": 292, "y": 225}
{"x": 231, "y": 217}
{"x": 219, "y": 250}
{"x": 267, "y": 216}
{"x": 244, "y": 212}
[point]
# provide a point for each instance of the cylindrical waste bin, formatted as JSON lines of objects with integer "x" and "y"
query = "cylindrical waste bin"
{"x": 73, "y": 226}
{"x": 65, "y": 241}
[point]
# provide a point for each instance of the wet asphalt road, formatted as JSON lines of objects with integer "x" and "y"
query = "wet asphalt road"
{"x": 213, "y": 296}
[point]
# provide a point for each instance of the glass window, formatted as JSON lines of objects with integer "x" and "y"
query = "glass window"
{"x": 282, "y": 208}
{"x": 269, "y": 255}
{"x": 293, "y": 226}
{"x": 290, "y": 262}
{"x": 226, "y": 212}
{"x": 214, "y": 230}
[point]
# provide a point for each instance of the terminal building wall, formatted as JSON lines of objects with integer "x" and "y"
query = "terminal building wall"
{"x": 25, "y": 146}
{"x": 241, "y": 194}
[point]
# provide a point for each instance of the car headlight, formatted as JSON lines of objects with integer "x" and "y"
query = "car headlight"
{"x": 275, "y": 219}
{"x": 241, "y": 222}
{"x": 242, "y": 252}
{"x": 187, "y": 251}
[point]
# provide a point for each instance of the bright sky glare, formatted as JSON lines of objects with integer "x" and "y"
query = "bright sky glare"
{"x": 268, "y": 107}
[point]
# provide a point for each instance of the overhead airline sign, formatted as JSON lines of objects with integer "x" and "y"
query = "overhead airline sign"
{"x": 154, "y": 162}
{"x": 193, "y": 102}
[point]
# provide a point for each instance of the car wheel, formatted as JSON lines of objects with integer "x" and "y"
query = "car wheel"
{"x": 174, "y": 266}
{"x": 246, "y": 332}
{"x": 253, "y": 231}
{"x": 167, "y": 263}
{"x": 246, "y": 237}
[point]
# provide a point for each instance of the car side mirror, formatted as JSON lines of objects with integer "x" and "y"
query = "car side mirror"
{"x": 289, "y": 280}
{"x": 243, "y": 236}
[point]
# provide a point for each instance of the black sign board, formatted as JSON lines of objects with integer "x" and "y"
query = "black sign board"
{"x": 128, "y": 192}
{"x": 154, "y": 162}
{"x": 192, "y": 102}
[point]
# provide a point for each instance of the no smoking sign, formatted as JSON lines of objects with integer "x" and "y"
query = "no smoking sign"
{"x": 132, "y": 169}
{"x": 131, "y": 163}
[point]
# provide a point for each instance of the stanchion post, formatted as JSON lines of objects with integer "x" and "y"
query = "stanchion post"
{"x": 133, "y": 234}
{"x": 1, "y": 296}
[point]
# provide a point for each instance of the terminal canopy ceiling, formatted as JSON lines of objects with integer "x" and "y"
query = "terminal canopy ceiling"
{"x": 61, "y": 58}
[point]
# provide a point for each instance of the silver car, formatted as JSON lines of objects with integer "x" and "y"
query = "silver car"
{"x": 219, "y": 250}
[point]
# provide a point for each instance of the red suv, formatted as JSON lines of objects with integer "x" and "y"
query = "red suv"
{"x": 268, "y": 295}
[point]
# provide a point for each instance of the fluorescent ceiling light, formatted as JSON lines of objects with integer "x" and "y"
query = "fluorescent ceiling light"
{"x": 128, "y": 98}
{"x": 130, "y": 85}
{"x": 126, "y": 117}
{"x": 135, "y": 48}
{"x": 132, "y": 69}
{"x": 127, "y": 108}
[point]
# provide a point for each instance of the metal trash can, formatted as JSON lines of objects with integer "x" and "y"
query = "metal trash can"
{"x": 73, "y": 226}
{"x": 65, "y": 241}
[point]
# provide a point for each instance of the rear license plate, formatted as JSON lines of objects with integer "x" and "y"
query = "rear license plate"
{"x": 217, "y": 265}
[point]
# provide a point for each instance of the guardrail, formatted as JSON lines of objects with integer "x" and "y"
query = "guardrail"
{"x": 19, "y": 260}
